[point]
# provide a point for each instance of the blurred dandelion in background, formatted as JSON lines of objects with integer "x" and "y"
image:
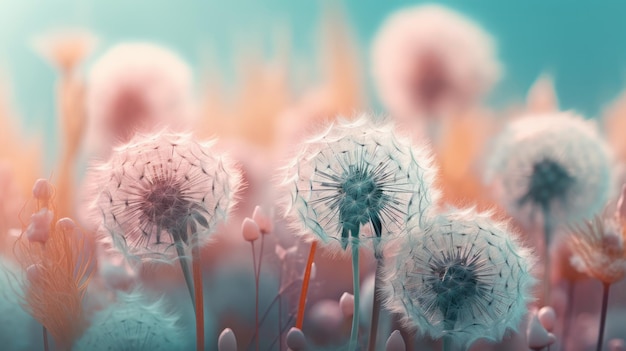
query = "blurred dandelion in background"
{"x": 429, "y": 61}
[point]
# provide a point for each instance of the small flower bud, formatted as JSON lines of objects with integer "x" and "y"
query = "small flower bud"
{"x": 296, "y": 340}
{"x": 346, "y": 302}
{"x": 263, "y": 220}
{"x": 65, "y": 224}
{"x": 538, "y": 337}
{"x": 395, "y": 342}
{"x": 547, "y": 317}
{"x": 42, "y": 190}
{"x": 250, "y": 230}
{"x": 39, "y": 228}
{"x": 227, "y": 341}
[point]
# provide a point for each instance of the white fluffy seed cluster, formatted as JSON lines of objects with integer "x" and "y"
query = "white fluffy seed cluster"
{"x": 465, "y": 277}
{"x": 572, "y": 143}
{"x": 132, "y": 324}
{"x": 361, "y": 174}
{"x": 161, "y": 188}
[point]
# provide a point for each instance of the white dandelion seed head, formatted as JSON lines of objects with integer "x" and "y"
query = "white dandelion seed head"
{"x": 359, "y": 179}
{"x": 137, "y": 87}
{"x": 430, "y": 59}
{"x": 465, "y": 277}
{"x": 162, "y": 188}
{"x": 132, "y": 324}
{"x": 558, "y": 161}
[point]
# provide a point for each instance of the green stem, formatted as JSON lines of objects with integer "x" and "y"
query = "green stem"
{"x": 355, "y": 282}
{"x": 375, "y": 307}
{"x": 184, "y": 265}
{"x": 447, "y": 343}
{"x": 548, "y": 229}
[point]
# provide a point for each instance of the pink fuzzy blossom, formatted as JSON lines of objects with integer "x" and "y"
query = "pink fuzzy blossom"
{"x": 159, "y": 190}
{"x": 136, "y": 87}
{"x": 429, "y": 60}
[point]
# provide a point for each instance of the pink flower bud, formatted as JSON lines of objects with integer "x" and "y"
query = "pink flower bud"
{"x": 395, "y": 342}
{"x": 42, "y": 190}
{"x": 227, "y": 341}
{"x": 538, "y": 336}
{"x": 250, "y": 230}
{"x": 617, "y": 345}
{"x": 547, "y": 317}
{"x": 346, "y": 302}
{"x": 65, "y": 224}
{"x": 263, "y": 220}
{"x": 39, "y": 228}
{"x": 295, "y": 339}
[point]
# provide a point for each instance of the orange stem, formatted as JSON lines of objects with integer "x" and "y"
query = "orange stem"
{"x": 305, "y": 286}
{"x": 197, "y": 286}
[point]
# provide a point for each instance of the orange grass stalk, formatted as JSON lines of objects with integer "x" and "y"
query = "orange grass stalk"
{"x": 305, "y": 286}
{"x": 65, "y": 50}
{"x": 59, "y": 271}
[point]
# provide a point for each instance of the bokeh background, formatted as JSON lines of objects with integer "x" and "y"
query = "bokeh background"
{"x": 581, "y": 43}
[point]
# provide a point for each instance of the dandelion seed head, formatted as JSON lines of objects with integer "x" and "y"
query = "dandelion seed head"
{"x": 359, "y": 180}
{"x": 553, "y": 162}
{"x": 465, "y": 277}
{"x": 429, "y": 59}
{"x": 132, "y": 324}
{"x": 157, "y": 189}
{"x": 136, "y": 87}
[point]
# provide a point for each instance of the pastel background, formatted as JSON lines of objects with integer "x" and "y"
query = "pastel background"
{"x": 580, "y": 42}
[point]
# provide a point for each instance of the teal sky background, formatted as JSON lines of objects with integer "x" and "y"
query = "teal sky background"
{"x": 582, "y": 43}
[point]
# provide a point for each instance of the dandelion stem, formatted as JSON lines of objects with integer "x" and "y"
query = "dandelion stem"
{"x": 548, "y": 229}
{"x": 305, "y": 286}
{"x": 256, "y": 297}
{"x": 280, "y": 311}
{"x": 199, "y": 296}
{"x": 605, "y": 303}
{"x": 375, "y": 307}
{"x": 184, "y": 265}
{"x": 447, "y": 343}
{"x": 46, "y": 345}
{"x": 355, "y": 282}
{"x": 568, "y": 314}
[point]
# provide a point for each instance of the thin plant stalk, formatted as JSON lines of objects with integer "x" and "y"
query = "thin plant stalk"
{"x": 375, "y": 307}
{"x": 256, "y": 297}
{"x": 548, "y": 229}
{"x": 46, "y": 345}
{"x": 605, "y": 303}
{"x": 305, "y": 286}
{"x": 354, "y": 331}
{"x": 568, "y": 314}
{"x": 257, "y": 282}
{"x": 447, "y": 344}
{"x": 184, "y": 265}
{"x": 280, "y": 311}
{"x": 198, "y": 290}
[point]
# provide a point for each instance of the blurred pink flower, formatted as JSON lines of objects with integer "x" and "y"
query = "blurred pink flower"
{"x": 136, "y": 87}
{"x": 431, "y": 60}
